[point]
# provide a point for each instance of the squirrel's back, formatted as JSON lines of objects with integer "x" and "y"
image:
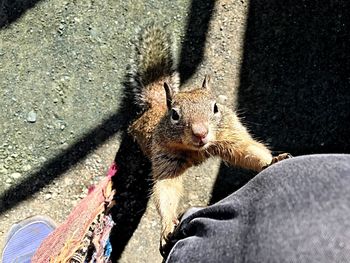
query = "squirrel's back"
{"x": 152, "y": 64}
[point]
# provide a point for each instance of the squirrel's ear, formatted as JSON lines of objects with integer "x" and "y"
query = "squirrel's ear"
{"x": 168, "y": 94}
{"x": 206, "y": 82}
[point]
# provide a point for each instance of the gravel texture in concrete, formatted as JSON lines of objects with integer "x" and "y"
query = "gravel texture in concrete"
{"x": 283, "y": 66}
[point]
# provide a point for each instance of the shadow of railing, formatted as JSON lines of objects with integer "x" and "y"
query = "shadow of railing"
{"x": 11, "y": 10}
{"x": 295, "y": 89}
{"x": 192, "y": 49}
{"x": 133, "y": 187}
{"x": 55, "y": 167}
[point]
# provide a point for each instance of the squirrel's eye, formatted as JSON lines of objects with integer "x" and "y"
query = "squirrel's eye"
{"x": 175, "y": 115}
{"x": 216, "y": 110}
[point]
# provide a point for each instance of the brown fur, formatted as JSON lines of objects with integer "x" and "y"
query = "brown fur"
{"x": 171, "y": 145}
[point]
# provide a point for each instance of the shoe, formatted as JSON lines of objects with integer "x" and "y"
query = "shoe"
{"x": 25, "y": 237}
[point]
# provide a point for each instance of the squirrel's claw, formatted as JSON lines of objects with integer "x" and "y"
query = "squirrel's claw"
{"x": 278, "y": 158}
{"x": 281, "y": 157}
{"x": 164, "y": 246}
{"x": 165, "y": 237}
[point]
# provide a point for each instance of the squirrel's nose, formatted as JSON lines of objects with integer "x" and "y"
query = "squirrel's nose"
{"x": 199, "y": 130}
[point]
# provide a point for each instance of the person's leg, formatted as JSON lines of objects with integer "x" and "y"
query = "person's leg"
{"x": 297, "y": 210}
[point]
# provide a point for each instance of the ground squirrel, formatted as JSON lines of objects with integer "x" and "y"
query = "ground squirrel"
{"x": 178, "y": 129}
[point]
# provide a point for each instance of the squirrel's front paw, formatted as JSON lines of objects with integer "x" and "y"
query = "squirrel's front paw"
{"x": 278, "y": 158}
{"x": 281, "y": 157}
{"x": 167, "y": 232}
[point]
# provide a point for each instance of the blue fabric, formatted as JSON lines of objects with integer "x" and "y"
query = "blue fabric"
{"x": 108, "y": 249}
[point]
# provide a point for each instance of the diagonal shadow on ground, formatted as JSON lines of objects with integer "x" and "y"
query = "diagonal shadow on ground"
{"x": 11, "y": 10}
{"x": 61, "y": 163}
{"x": 192, "y": 50}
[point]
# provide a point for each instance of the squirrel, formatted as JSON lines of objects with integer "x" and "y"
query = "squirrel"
{"x": 179, "y": 129}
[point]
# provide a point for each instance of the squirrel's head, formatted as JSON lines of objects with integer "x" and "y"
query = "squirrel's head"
{"x": 192, "y": 116}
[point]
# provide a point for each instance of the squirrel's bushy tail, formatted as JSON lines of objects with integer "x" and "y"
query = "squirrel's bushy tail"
{"x": 153, "y": 62}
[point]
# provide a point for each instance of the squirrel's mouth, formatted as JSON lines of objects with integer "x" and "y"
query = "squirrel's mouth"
{"x": 201, "y": 144}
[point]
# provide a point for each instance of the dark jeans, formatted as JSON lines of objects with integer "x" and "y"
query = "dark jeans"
{"x": 297, "y": 210}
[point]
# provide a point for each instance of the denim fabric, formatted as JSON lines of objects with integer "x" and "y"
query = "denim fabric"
{"x": 297, "y": 210}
